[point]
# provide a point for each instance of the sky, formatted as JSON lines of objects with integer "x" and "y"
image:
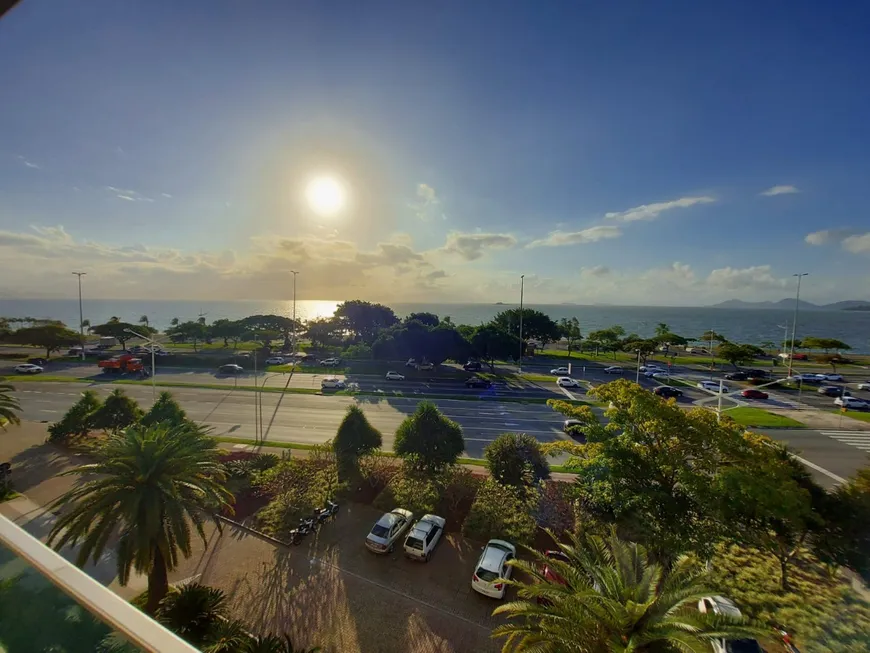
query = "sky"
{"x": 646, "y": 153}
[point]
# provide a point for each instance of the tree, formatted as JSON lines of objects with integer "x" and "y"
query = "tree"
{"x": 825, "y": 344}
{"x": 516, "y": 459}
{"x": 738, "y": 354}
{"x": 356, "y": 436}
{"x": 78, "y": 420}
{"x": 491, "y": 343}
{"x": 274, "y": 644}
{"x": 646, "y": 348}
{"x": 429, "y": 319}
{"x": 429, "y": 440}
{"x": 143, "y": 320}
{"x": 831, "y": 359}
{"x": 323, "y": 332}
{"x": 227, "y": 330}
{"x": 193, "y": 612}
{"x": 665, "y": 338}
{"x": 501, "y": 511}
{"x": 165, "y": 409}
{"x": 536, "y": 325}
{"x": 193, "y": 331}
{"x": 607, "y": 339}
{"x": 117, "y": 412}
{"x": 570, "y": 330}
{"x": 51, "y": 337}
{"x": 8, "y": 406}
{"x": 615, "y": 598}
{"x": 845, "y": 538}
{"x": 147, "y": 486}
{"x": 280, "y": 325}
{"x": 364, "y": 319}
{"x": 711, "y": 335}
{"x": 120, "y": 331}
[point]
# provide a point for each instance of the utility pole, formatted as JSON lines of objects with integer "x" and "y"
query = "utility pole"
{"x": 81, "y": 315}
{"x": 637, "y": 377}
{"x": 797, "y": 301}
{"x": 294, "y": 272}
{"x": 522, "y": 282}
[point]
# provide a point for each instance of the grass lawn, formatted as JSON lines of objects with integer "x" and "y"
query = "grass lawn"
{"x": 749, "y": 416}
{"x": 821, "y": 612}
{"x": 854, "y": 414}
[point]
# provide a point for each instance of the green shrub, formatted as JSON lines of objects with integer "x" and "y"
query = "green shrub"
{"x": 429, "y": 440}
{"x": 78, "y": 420}
{"x": 117, "y": 412}
{"x": 356, "y": 436}
{"x": 516, "y": 459}
{"x": 409, "y": 490}
{"x": 500, "y": 511}
{"x": 165, "y": 409}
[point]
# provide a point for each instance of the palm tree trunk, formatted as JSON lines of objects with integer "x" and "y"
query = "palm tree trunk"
{"x": 158, "y": 582}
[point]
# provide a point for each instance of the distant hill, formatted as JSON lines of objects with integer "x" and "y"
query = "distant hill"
{"x": 788, "y": 304}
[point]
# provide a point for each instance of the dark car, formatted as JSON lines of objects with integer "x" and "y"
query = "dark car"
{"x": 231, "y": 368}
{"x": 758, "y": 374}
{"x": 737, "y": 376}
{"x": 667, "y": 391}
{"x": 548, "y": 572}
{"x": 477, "y": 382}
{"x": 752, "y": 393}
{"x": 472, "y": 366}
{"x": 834, "y": 391}
{"x": 37, "y": 361}
{"x": 574, "y": 428}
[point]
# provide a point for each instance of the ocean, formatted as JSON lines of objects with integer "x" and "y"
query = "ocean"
{"x": 739, "y": 325}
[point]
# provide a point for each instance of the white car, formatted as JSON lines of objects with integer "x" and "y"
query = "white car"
{"x": 864, "y": 386}
{"x": 851, "y": 402}
{"x": 275, "y": 360}
{"x": 560, "y": 371}
{"x": 651, "y": 373}
{"x": 613, "y": 369}
{"x": 424, "y": 536}
{"x": 330, "y": 362}
{"x": 388, "y": 529}
{"x": 394, "y": 376}
{"x": 567, "y": 382}
{"x": 651, "y": 367}
{"x": 331, "y": 382}
{"x": 712, "y": 386}
{"x": 661, "y": 376}
{"x": 833, "y": 377}
{"x": 425, "y": 367}
{"x": 719, "y": 605}
{"x": 28, "y": 368}
{"x": 492, "y": 569}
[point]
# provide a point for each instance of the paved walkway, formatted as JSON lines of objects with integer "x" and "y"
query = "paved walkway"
{"x": 821, "y": 420}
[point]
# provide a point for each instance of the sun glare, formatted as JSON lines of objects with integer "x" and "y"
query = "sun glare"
{"x": 325, "y": 196}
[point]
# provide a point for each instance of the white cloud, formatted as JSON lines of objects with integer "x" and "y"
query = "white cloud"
{"x": 590, "y": 235}
{"x": 128, "y": 195}
{"x": 166, "y": 195}
{"x": 826, "y": 236}
{"x": 595, "y": 271}
{"x": 427, "y": 204}
{"x": 751, "y": 278}
{"x": 472, "y": 246}
{"x": 779, "y": 190}
{"x": 857, "y": 244}
{"x": 652, "y": 211}
{"x": 28, "y": 164}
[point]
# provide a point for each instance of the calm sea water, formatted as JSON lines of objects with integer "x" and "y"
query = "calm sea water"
{"x": 752, "y": 326}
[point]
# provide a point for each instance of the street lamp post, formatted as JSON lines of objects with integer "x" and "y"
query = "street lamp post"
{"x": 522, "y": 284}
{"x": 81, "y": 314}
{"x": 637, "y": 377}
{"x": 153, "y": 344}
{"x": 294, "y": 272}
{"x": 797, "y": 301}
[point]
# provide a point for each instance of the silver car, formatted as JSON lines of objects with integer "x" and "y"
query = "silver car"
{"x": 388, "y": 529}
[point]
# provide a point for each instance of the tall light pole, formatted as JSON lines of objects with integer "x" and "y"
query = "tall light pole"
{"x": 522, "y": 285}
{"x": 153, "y": 347}
{"x": 797, "y": 301}
{"x": 81, "y": 314}
{"x": 294, "y": 272}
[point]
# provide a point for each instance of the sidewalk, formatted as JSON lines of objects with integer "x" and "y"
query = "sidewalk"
{"x": 821, "y": 420}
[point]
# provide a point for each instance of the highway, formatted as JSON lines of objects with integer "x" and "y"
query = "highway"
{"x": 308, "y": 418}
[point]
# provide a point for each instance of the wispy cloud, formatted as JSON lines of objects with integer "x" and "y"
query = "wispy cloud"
{"x": 166, "y": 195}
{"x": 428, "y": 204}
{"x": 652, "y": 211}
{"x": 595, "y": 271}
{"x": 590, "y": 235}
{"x": 27, "y": 163}
{"x": 826, "y": 236}
{"x": 779, "y": 190}
{"x": 857, "y": 244}
{"x": 128, "y": 195}
{"x": 472, "y": 246}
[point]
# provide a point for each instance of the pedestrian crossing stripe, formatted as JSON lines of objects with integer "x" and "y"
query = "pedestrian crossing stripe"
{"x": 857, "y": 439}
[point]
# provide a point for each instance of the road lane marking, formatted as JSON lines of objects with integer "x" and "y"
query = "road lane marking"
{"x": 819, "y": 469}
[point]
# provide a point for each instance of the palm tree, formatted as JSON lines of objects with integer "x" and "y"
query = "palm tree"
{"x": 146, "y": 487}
{"x": 144, "y": 320}
{"x": 275, "y": 644}
{"x": 8, "y": 406}
{"x": 173, "y": 321}
{"x": 229, "y": 636}
{"x": 86, "y": 325}
{"x": 193, "y": 612}
{"x": 614, "y": 599}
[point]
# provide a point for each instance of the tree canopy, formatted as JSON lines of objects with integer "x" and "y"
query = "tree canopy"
{"x": 737, "y": 354}
{"x": 536, "y": 325}
{"x": 429, "y": 319}
{"x": 355, "y": 436}
{"x": 429, "y": 440}
{"x": 825, "y": 344}
{"x": 490, "y": 343}
{"x": 516, "y": 459}
{"x": 120, "y": 331}
{"x": 51, "y": 337}
{"x": 569, "y": 329}
{"x": 364, "y": 319}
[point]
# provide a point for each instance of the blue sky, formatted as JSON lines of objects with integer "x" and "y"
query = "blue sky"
{"x": 616, "y": 152}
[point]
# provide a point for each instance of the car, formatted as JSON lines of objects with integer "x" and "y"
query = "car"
{"x": 567, "y": 382}
{"x": 737, "y": 376}
{"x": 231, "y": 368}
{"x": 651, "y": 367}
{"x": 833, "y": 377}
{"x": 243, "y": 354}
{"x": 667, "y": 391}
{"x": 834, "y": 391}
{"x": 719, "y": 605}
{"x": 472, "y": 366}
{"x": 477, "y": 382}
{"x": 28, "y": 368}
{"x": 712, "y": 386}
{"x": 394, "y": 376}
{"x": 851, "y": 402}
{"x": 864, "y": 386}
{"x": 801, "y": 357}
{"x": 388, "y": 529}
{"x": 331, "y": 382}
{"x": 425, "y": 367}
{"x": 752, "y": 393}
{"x": 424, "y": 537}
{"x": 330, "y": 362}
{"x": 493, "y": 569}
{"x": 574, "y": 428}
{"x": 613, "y": 369}
{"x": 757, "y": 374}
{"x": 412, "y": 362}
{"x": 659, "y": 376}
{"x": 275, "y": 360}
{"x": 560, "y": 371}
{"x": 549, "y": 574}
{"x": 37, "y": 361}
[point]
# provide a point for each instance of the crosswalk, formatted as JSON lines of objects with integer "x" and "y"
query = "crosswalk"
{"x": 857, "y": 439}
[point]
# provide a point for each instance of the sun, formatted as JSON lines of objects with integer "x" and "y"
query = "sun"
{"x": 325, "y": 195}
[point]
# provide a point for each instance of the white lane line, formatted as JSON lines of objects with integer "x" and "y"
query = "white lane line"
{"x": 568, "y": 394}
{"x": 49, "y": 411}
{"x": 822, "y": 470}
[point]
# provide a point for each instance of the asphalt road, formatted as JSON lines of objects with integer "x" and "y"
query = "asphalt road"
{"x": 832, "y": 456}
{"x": 310, "y": 418}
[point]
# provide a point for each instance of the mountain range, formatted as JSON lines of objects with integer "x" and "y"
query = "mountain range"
{"x": 788, "y": 304}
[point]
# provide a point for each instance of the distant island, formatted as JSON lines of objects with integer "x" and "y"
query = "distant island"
{"x": 499, "y": 303}
{"x": 788, "y": 304}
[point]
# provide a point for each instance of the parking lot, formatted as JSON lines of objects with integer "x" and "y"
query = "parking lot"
{"x": 332, "y": 592}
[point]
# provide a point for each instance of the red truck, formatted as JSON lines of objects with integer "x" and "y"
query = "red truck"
{"x": 121, "y": 364}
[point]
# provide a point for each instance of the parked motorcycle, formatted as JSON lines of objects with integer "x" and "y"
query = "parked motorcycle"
{"x": 326, "y": 513}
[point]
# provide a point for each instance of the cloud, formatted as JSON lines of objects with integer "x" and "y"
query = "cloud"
{"x": 779, "y": 190}
{"x": 128, "y": 195}
{"x": 590, "y": 235}
{"x": 427, "y": 205}
{"x": 595, "y": 271}
{"x": 28, "y": 164}
{"x": 857, "y": 244}
{"x": 166, "y": 195}
{"x": 826, "y": 236}
{"x": 472, "y": 246}
{"x": 755, "y": 277}
{"x": 652, "y": 211}
{"x": 436, "y": 274}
